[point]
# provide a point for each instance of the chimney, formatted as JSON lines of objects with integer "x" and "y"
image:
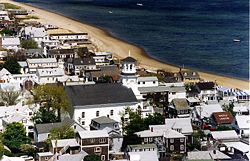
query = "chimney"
{"x": 214, "y": 151}
{"x": 152, "y": 129}
{"x": 1, "y": 42}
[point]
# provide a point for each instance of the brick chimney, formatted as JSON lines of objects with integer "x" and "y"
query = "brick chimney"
{"x": 152, "y": 129}
{"x": 214, "y": 151}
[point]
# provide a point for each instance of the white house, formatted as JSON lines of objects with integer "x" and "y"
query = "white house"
{"x": 35, "y": 33}
{"x": 10, "y": 42}
{"x": 63, "y": 37}
{"x": 241, "y": 108}
{"x": 34, "y": 64}
{"x": 207, "y": 91}
{"x": 241, "y": 124}
{"x": 49, "y": 75}
{"x": 91, "y": 101}
{"x": 176, "y": 92}
{"x": 41, "y": 131}
{"x": 4, "y": 15}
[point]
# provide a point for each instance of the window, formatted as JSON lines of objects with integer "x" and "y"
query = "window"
{"x": 153, "y": 82}
{"x": 111, "y": 112}
{"x": 103, "y": 157}
{"x": 145, "y": 140}
{"x": 92, "y": 140}
{"x": 171, "y": 147}
{"x": 150, "y": 139}
{"x": 126, "y": 111}
{"x": 74, "y": 126}
{"x": 143, "y": 82}
{"x": 171, "y": 140}
{"x": 126, "y": 119}
{"x": 30, "y": 113}
{"x": 97, "y": 113}
{"x": 139, "y": 82}
{"x": 182, "y": 140}
{"x": 83, "y": 122}
{"x": 173, "y": 93}
{"x": 24, "y": 121}
{"x": 98, "y": 149}
{"x": 103, "y": 140}
{"x": 181, "y": 147}
{"x": 83, "y": 114}
{"x": 46, "y": 158}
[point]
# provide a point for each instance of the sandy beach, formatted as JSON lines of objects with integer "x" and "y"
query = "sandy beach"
{"x": 120, "y": 48}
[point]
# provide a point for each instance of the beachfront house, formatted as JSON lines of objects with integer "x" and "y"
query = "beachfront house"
{"x": 206, "y": 91}
{"x": 70, "y": 38}
{"x": 62, "y": 54}
{"x": 38, "y": 34}
{"x": 91, "y": 101}
{"x": 189, "y": 76}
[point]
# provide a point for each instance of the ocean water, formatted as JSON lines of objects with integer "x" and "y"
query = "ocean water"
{"x": 198, "y": 34}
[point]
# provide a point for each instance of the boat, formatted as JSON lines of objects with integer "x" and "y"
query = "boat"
{"x": 139, "y": 4}
{"x": 236, "y": 40}
{"x": 110, "y": 12}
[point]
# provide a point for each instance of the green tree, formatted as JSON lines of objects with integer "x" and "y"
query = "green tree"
{"x": 1, "y": 149}
{"x": 63, "y": 132}
{"x": 14, "y": 136}
{"x": 6, "y": 31}
{"x": 9, "y": 96}
{"x": 43, "y": 116}
{"x": 197, "y": 137}
{"x": 12, "y": 65}
{"x": 229, "y": 108}
{"x": 51, "y": 97}
{"x": 222, "y": 128}
{"x": 28, "y": 149}
{"x": 92, "y": 157}
{"x": 29, "y": 44}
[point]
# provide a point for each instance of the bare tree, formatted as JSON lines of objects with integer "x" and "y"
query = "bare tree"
{"x": 9, "y": 96}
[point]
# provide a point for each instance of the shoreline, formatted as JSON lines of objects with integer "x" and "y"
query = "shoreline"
{"x": 119, "y": 47}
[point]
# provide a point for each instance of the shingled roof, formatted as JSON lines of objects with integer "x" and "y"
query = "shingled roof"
{"x": 223, "y": 117}
{"x": 129, "y": 59}
{"x": 45, "y": 128}
{"x": 98, "y": 94}
{"x": 206, "y": 85}
{"x": 180, "y": 103}
{"x": 104, "y": 120}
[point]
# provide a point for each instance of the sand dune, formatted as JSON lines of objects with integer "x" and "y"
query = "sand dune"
{"x": 120, "y": 48}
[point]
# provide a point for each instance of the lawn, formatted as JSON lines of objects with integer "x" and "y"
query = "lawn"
{"x": 10, "y": 6}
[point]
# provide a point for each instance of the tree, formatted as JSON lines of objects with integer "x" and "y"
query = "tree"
{"x": 51, "y": 97}
{"x": 43, "y": 116}
{"x": 222, "y": 128}
{"x": 9, "y": 96}
{"x": 61, "y": 132}
{"x": 29, "y": 44}
{"x": 92, "y": 157}
{"x": 28, "y": 149}
{"x": 229, "y": 108}
{"x": 6, "y": 31}
{"x": 1, "y": 149}
{"x": 14, "y": 136}
{"x": 12, "y": 65}
{"x": 197, "y": 137}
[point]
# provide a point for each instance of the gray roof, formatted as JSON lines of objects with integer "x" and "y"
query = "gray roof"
{"x": 147, "y": 79}
{"x": 84, "y": 61}
{"x": 45, "y": 128}
{"x": 180, "y": 103}
{"x": 189, "y": 74}
{"x": 129, "y": 59}
{"x": 200, "y": 155}
{"x": 104, "y": 120}
{"x": 177, "y": 89}
{"x": 153, "y": 89}
{"x": 100, "y": 94}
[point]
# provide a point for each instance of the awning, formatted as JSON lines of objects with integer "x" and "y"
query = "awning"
{"x": 240, "y": 93}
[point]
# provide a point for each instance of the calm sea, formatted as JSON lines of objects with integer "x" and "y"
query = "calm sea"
{"x": 196, "y": 33}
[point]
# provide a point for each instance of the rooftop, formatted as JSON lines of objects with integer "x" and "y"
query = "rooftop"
{"x": 206, "y": 155}
{"x": 147, "y": 79}
{"x": 84, "y": 61}
{"x": 206, "y": 85}
{"x": 153, "y": 89}
{"x": 104, "y": 120}
{"x": 93, "y": 134}
{"x": 223, "y": 117}
{"x": 129, "y": 59}
{"x": 42, "y": 60}
{"x": 180, "y": 103}
{"x": 243, "y": 121}
{"x": 64, "y": 142}
{"x": 189, "y": 74}
{"x": 107, "y": 93}
{"x": 45, "y": 72}
{"x": 173, "y": 134}
{"x": 222, "y": 135}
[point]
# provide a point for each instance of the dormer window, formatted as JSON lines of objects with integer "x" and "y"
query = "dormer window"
{"x": 185, "y": 74}
{"x": 194, "y": 73}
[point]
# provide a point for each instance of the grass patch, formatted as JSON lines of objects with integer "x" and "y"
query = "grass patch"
{"x": 10, "y": 6}
{"x": 28, "y": 18}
